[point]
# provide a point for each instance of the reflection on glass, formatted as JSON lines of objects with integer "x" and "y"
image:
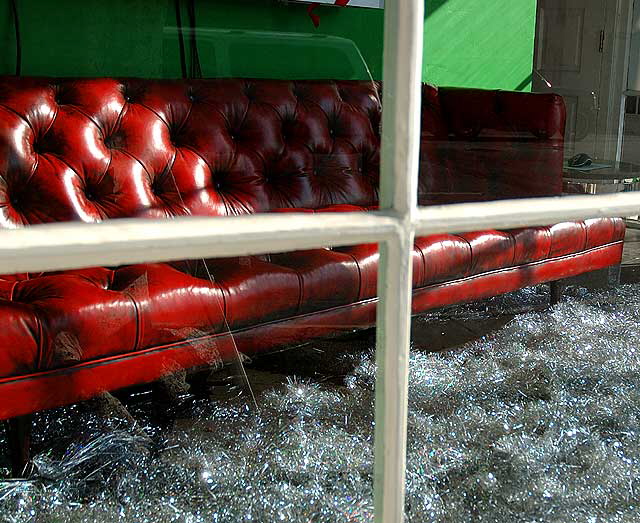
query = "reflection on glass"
{"x": 226, "y": 52}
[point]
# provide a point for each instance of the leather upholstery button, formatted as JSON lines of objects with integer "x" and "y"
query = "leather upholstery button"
{"x": 15, "y": 200}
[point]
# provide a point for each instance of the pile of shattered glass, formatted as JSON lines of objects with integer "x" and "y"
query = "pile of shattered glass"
{"x": 535, "y": 422}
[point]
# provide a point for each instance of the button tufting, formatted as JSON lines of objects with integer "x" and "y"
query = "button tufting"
{"x": 249, "y": 92}
{"x": 173, "y": 137}
{"x": 114, "y": 141}
{"x": 15, "y": 200}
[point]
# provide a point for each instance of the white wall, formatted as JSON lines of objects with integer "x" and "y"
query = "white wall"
{"x": 633, "y": 83}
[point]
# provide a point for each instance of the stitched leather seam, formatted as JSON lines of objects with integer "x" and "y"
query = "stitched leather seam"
{"x": 359, "y": 272}
{"x": 53, "y": 120}
{"x": 470, "y": 252}
{"x": 119, "y": 118}
{"x": 13, "y": 286}
{"x": 138, "y": 336}
{"x": 19, "y": 116}
{"x": 512, "y": 240}
{"x": 94, "y": 122}
{"x": 40, "y": 340}
{"x": 157, "y": 115}
{"x": 424, "y": 260}
{"x": 127, "y": 153}
{"x": 211, "y": 170}
{"x": 101, "y": 178}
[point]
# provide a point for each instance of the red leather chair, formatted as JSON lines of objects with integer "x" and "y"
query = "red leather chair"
{"x": 96, "y": 149}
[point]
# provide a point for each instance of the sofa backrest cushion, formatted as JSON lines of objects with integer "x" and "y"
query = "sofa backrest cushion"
{"x": 92, "y": 149}
{"x": 506, "y": 144}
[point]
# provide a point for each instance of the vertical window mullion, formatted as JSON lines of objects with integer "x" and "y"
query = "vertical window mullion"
{"x": 398, "y": 194}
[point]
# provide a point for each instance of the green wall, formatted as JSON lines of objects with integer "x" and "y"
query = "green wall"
{"x": 483, "y": 43}
{"x": 479, "y": 43}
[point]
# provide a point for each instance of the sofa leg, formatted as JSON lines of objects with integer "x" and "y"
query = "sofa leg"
{"x": 613, "y": 275}
{"x": 167, "y": 394}
{"x": 19, "y": 443}
{"x": 555, "y": 288}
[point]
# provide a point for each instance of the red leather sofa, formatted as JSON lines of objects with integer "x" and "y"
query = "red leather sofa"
{"x": 96, "y": 149}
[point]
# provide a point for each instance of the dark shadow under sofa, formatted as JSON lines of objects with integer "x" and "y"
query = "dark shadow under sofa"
{"x": 96, "y": 149}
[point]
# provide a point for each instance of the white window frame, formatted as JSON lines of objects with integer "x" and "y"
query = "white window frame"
{"x": 74, "y": 245}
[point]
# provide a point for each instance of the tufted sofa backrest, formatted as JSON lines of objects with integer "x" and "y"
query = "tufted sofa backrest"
{"x": 92, "y": 149}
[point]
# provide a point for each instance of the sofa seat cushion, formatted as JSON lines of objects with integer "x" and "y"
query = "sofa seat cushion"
{"x": 254, "y": 290}
{"x": 453, "y": 256}
{"x": 367, "y": 257}
{"x": 79, "y": 316}
{"x": 327, "y": 278}
{"x": 340, "y": 207}
{"x": 172, "y": 306}
{"x": 571, "y": 237}
{"x": 61, "y": 318}
{"x": 445, "y": 256}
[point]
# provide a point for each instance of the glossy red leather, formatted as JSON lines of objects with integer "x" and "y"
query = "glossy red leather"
{"x": 96, "y": 149}
{"x": 36, "y": 391}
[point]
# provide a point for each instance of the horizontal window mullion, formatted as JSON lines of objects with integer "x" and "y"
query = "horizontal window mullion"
{"x": 525, "y": 212}
{"x": 117, "y": 242}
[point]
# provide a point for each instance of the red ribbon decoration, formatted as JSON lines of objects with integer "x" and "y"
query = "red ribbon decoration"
{"x": 315, "y": 18}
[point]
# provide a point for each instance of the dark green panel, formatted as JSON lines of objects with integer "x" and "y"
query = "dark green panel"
{"x": 89, "y": 38}
{"x": 137, "y": 38}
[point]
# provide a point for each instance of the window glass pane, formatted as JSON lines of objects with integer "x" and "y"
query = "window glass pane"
{"x": 523, "y": 352}
{"x": 519, "y": 93}
{"x": 221, "y": 388}
{"x": 522, "y": 404}
{"x": 215, "y": 388}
